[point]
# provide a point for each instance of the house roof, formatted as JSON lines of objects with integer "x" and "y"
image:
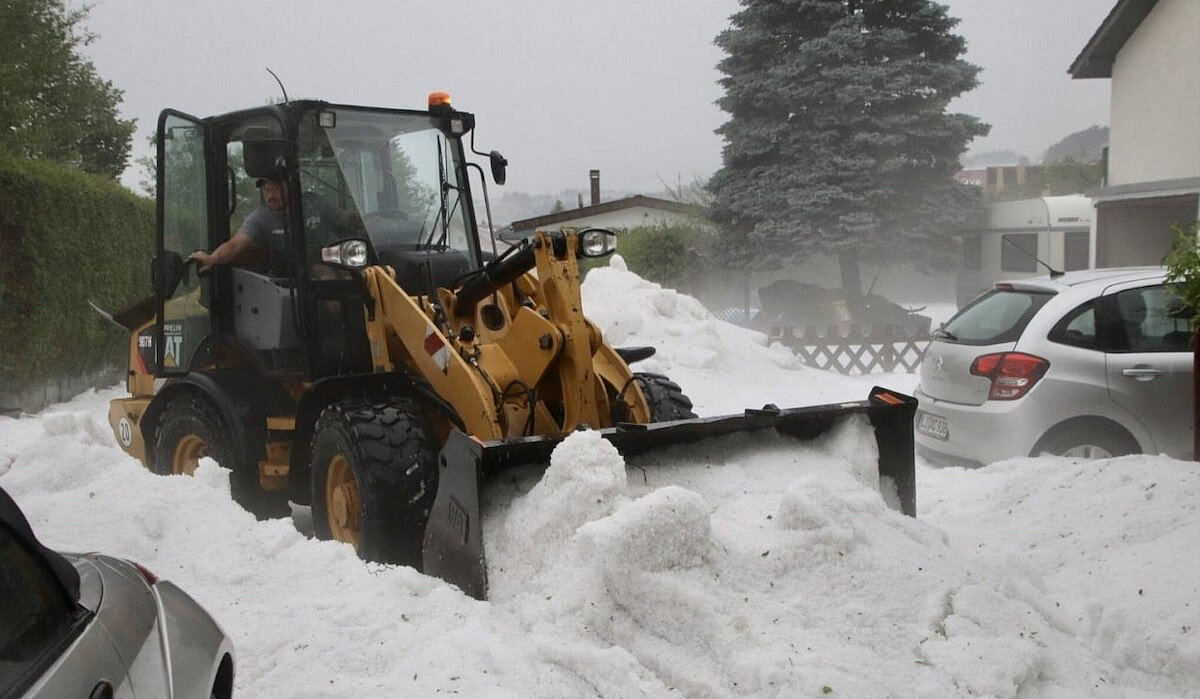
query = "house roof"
{"x": 605, "y": 208}
{"x": 1097, "y": 57}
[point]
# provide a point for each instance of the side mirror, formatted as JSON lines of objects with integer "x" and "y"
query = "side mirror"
{"x": 499, "y": 164}
{"x": 166, "y": 272}
{"x": 264, "y": 152}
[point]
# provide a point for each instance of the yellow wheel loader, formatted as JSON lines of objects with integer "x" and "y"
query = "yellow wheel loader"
{"x": 368, "y": 352}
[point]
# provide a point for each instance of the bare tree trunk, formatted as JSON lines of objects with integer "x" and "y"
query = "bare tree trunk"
{"x": 852, "y": 282}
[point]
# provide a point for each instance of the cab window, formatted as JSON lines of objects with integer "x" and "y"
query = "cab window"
{"x": 245, "y": 194}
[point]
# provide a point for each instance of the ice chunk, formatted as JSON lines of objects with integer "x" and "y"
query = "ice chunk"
{"x": 665, "y": 529}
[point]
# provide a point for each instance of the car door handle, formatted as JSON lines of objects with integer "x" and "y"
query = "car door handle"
{"x": 1143, "y": 373}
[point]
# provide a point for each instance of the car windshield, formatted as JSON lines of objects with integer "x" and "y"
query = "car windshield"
{"x": 998, "y": 316}
{"x": 393, "y": 175}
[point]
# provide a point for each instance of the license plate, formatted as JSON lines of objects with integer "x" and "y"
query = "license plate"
{"x": 933, "y": 425}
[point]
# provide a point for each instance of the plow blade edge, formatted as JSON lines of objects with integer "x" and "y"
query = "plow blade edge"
{"x": 453, "y": 544}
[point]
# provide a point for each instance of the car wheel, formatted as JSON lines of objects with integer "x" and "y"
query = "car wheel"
{"x": 190, "y": 429}
{"x": 374, "y": 477}
{"x": 1088, "y": 441}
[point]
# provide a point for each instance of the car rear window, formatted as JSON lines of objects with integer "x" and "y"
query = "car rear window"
{"x": 997, "y": 316}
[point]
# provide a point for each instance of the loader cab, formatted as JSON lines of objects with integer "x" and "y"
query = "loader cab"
{"x": 402, "y": 174}
{"x": 394, "y": 178}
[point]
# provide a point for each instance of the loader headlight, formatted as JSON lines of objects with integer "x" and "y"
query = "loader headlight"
{"x": 352, "y": 254}
{"x": 597, "y": 242}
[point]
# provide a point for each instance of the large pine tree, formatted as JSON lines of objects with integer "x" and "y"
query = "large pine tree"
{"x": 838, "y": 140}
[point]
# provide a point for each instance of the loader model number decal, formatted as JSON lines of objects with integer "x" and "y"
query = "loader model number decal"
{"x": 145, "y": 355}
{"x": 459, "y": 519}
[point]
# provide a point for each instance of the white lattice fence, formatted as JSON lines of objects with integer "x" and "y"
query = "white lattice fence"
{"x": 853, "y": 351}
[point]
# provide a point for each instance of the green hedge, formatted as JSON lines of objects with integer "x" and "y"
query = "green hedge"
{"x": 672, "y": 255}
{"x": 66, "y": 238}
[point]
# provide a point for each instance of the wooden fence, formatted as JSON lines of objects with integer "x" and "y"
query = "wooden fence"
{"x": 851, "y": 350}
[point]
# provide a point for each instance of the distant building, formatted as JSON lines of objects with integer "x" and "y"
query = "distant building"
{"x": 1000, "y": 181}
{"x": 630, "y": 212}
{"x": 1150, "y": 49}
{"x": 977, "y": 178}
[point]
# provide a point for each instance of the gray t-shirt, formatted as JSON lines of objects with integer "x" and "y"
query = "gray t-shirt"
{"x": 265, "y": 228}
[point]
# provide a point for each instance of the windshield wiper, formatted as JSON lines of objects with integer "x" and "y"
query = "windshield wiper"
{"x": 943, "y": 334}
{"x": 443, "y": 216}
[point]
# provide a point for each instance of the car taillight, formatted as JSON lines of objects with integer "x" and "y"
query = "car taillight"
{"x": 1012, "y": 373}
{"x": 149, "y": 577}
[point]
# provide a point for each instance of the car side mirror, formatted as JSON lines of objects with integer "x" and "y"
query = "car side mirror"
{"x": 499, "y": 166}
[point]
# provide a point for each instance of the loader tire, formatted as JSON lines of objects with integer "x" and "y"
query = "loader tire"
{"x": 374, "y": 477}
{"x": 666, "y": 398}
{"x": 191, "y": 428}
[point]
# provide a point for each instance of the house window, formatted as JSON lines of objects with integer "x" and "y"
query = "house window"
{"x": 1018, "y": 252}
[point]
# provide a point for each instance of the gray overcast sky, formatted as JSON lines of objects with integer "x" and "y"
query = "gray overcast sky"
{"x": 558, "y": 86}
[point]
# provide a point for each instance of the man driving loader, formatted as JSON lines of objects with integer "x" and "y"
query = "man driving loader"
{"x": 263, "y": 230}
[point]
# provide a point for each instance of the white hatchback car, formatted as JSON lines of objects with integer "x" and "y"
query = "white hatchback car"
{"x": 1093, "y": 364}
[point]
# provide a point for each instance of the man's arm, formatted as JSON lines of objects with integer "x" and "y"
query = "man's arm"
{"x": 225, "y": 252}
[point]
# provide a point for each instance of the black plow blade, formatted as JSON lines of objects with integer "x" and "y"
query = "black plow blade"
{"x": 453, "y": 545}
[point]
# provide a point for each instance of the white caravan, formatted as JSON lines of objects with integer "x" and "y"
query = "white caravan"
{"x": 1024, "y": 238}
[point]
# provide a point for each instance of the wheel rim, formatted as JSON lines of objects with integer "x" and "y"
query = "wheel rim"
{"x": 188, "y": 453}
{"x": 342, "y": 502}
{"x": 1088, "y": 451}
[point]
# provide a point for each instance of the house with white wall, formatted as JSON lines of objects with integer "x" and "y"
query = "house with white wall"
{"x": 619, "y": 214}
{"x": 630, "y": 212}
{"x": 1150, "y": 49}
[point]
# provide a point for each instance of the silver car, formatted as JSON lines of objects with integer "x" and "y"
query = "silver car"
{"x": 95, "y": 626}
{"x": 1092, "y": 364}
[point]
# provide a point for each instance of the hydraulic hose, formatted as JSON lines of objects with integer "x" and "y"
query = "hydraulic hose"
{"x": 495, "y": 275}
